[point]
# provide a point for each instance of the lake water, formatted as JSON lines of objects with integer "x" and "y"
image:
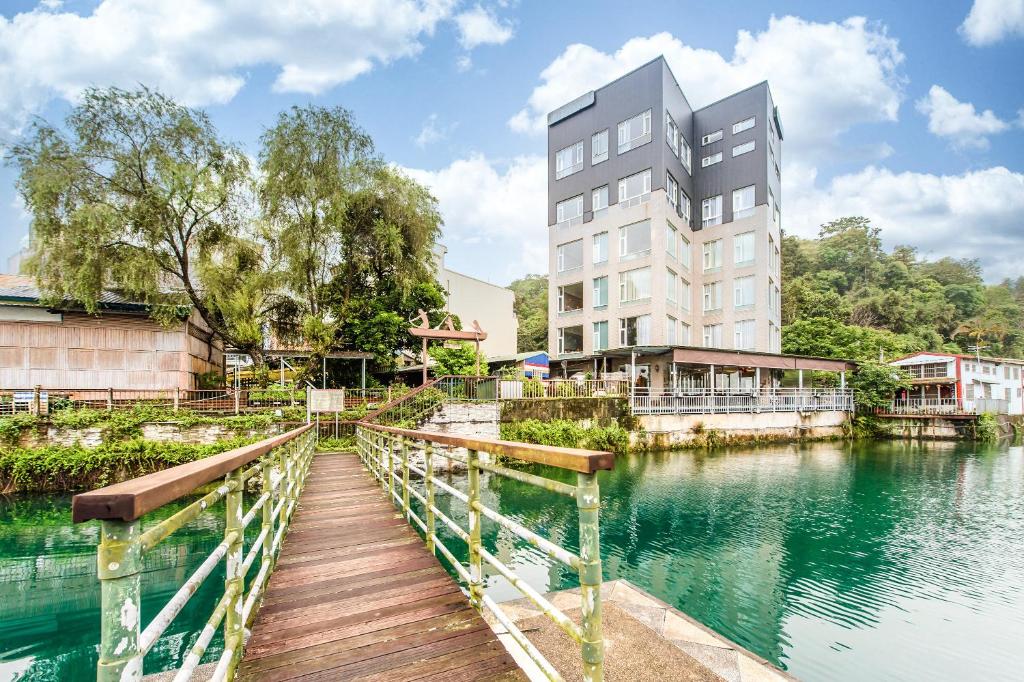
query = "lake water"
{"x": 834, "y": 561}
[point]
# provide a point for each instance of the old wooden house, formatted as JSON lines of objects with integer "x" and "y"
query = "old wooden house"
{"x": 120, "y": 348}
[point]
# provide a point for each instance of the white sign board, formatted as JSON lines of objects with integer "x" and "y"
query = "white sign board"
{"x": 326, "y": 400}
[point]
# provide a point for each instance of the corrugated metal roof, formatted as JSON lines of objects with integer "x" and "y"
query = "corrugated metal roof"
{"x": 19, "y": 288}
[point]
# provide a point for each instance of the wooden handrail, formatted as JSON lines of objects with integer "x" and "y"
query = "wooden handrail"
{"x": 573, "y": 459}
{"x": 130, "y": 500}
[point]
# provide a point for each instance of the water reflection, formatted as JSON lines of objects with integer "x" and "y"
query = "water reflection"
{"x": 880, "y": 561}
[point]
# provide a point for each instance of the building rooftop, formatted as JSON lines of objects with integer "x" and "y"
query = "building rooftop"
{"x": 22, "y": 290}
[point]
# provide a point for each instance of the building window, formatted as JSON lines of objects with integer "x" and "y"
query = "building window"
{"x": 743, "y": 292}
{"x": 601, "y": 247}
{"x": 745, "y": 124}
{"x": 778, "y": 216}
{"x": 601, "y": 335}
{"x": 743, "y": 335}
{"x": 712, "y": 336}
{"x": 671, "y": 240}
{"x": 743, "y": 202}
{"x": 712, "y": 296}
{"x": 569, "y": 212}
{"x": 671, "y": 287}
{"x": 570, "y": 340}
{"x": 569, "y": 160}
{"x": 671, "y": 324}
{"x": 599, "y": 199}
{"x": 771, "y": 296}
{"x": 711, "y": 211}
{"x": 744, "y": 148}
{"x": 773, "y": 255}
{"x": 684, "y": 334}
{"x": 570, "y": 297}
{"x": 635, "y": 188}
{"x": 684, "y": 294}
{"x": 684, "y": 252}
{"x": 635, "y": 131}
{"x": 635, "y": 240}
{"x": 635, "y": 331}
{"x": 600, "y": 292}
{"x": 743, "y": 248}
{"x": 774, "y": 342}
{"x": 672, "y": 191}
{"x": 599, "y": 147}
{"x": 685, "y": 155}
{"x": 771, "y": 202}
{"x": 570, "y": 255}
{"x": 711, "y": 160}
{"x": 713, "y": 256}
{"x": 711, "y": 137}
{"x": 635, "y": 285}
{"x": 684, "y": 206}
{"x": 671, "y": 134}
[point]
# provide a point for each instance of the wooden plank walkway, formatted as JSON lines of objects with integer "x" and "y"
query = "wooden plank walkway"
{"x": 357, "y": 596}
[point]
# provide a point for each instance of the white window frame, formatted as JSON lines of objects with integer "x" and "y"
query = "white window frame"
{"x": 560, "y": 214}
{"x": 684, "y": 205}
{"x": 671, "y": 286}
{"x": 712, "y": 297}
{"x": 575, "y": 156}
{"x": 643, "y": 330}
{"x": 685, "y": 294}
{"x": 639, "y": 279}
{"x": 684, "y": 334}
{"x": 745, "y": 124}
{"x": 671, "y": 331}
{"x": 597, "y": 301}
{"x": 744, "y": 292}
{"x": 645, "y": 185}
{"x": 711, "y": 211}
{"x": 672, "y": 191}
{"x": 713, "y": 255}
{"x": 561, "y": 297}
{"x": 712, "y": 330}
{"x": 741, "y": 330}
{"x": 671, "y": 134}
{"x": 743, "y": 210}
{"x": 685, "y": 154}
{"x": 626, "y": 128}
{"x": 711, "y": 137}
{"x": 596, "y": 251}
{"x": 598, "y": 326}
{"x": 561, "y": 339}
{"x": 560, "y": 255}
{"x": 595, "y": 143}
{"x": 595, "y": 194}
{"x": 741, "y": 254}
{"x": 711, "y": 160}
{"x": 624, "y": 232}
{"x": 744, "y": 148}
{"x": 685, "y": 255}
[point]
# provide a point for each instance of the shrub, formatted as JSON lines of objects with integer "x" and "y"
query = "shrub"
{"x": 986, "y": 428}
{"x": 567, "y": 434}
{"x": 533, "y": 388}
{"x": 11, "y": 427}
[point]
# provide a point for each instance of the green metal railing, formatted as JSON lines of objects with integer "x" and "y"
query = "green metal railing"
{"x": 280, "y": 464}
{"x": 387, "y": 453}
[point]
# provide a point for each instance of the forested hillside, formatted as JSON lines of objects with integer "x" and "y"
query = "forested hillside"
{"x": 843, "y": 295}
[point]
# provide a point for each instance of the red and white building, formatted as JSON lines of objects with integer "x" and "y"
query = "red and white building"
{"x": 949, "y": 383}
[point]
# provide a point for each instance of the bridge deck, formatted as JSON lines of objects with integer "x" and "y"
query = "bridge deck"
{"x": 357, "y": 596}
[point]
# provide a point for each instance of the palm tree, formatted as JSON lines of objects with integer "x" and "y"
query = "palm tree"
{"x": 981, "y": 330}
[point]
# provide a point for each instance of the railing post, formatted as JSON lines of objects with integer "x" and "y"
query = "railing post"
{"x": 177, "y": 397}
{"x": 391, "y": 467}
{"x": 404, "y": 445}
{"x": 428, "y": 483}
{"x": 234, "y": 581}
{"x": 119, "y": 563}
{"x": 268, "y": 512}
{"x": 110, "y": 399}
{"x": 588, "y": 501}
{"x": 236, "y": 392}
{"x": 476, "y": 568}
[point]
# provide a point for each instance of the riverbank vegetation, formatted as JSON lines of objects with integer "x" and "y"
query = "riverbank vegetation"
{"x": 58, "y": 468}
{"x": 567, "y": 434}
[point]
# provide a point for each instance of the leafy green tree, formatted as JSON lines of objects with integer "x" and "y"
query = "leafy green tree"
{"x": 875, "y": 383}
{"x": 133, "y": 193}
{"x": 459, "y": 360}
{"x": 531, "y": 309}
{"x": 830, "y": 338}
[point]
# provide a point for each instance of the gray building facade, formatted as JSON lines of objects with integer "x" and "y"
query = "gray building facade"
{"x": 664, "y": 221}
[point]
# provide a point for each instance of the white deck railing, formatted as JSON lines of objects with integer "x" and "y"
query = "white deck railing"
{"x": 751, "y": 400}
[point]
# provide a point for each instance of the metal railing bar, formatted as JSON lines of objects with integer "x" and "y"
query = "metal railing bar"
{"x": 458, "y": 494}
{"x": 176, "y": 603}
{"x": 195, "y": 655}
{"x": 455, "y": 563}
{"x": 155, "y": 535}
{"x": 543, "y": 544}
{"x": 532, "y": 479}
{"x": 254, "y": 508}
{"x": 521, "y": 639}
{"x": 549, "y": 609}
{"x": 254, "y": 551}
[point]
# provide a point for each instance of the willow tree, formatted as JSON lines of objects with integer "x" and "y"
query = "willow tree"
{"x": 134, "y": 192}
{"x": 355, "y": 234}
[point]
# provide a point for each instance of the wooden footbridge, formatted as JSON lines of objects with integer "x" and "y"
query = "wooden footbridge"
{"x": 333, "y": 571}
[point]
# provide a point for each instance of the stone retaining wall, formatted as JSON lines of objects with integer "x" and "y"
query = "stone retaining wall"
{"x": 161, "y": 432}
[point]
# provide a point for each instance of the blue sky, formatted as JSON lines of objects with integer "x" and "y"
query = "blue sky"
{"x": 910, "y": 112}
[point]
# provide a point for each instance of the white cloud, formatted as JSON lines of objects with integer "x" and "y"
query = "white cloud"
{"x": 432, "y": 131}
{"x": 500, "y": 224}
{"x": 957, "y": 121}
{"x": 973, "y": 215}
{"x": 825, "y": 77}
{"x": 479, "y": 26}
{"x": 463, "y": 63}
{"x": 991, "y": 21}
{"x": 200, "y": 51}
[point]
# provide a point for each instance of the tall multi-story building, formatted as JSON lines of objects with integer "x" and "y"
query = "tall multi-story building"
{"x": 664, "y": 221}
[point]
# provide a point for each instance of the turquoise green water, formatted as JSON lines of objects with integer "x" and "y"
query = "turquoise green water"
{"x": 836, "y": 562}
